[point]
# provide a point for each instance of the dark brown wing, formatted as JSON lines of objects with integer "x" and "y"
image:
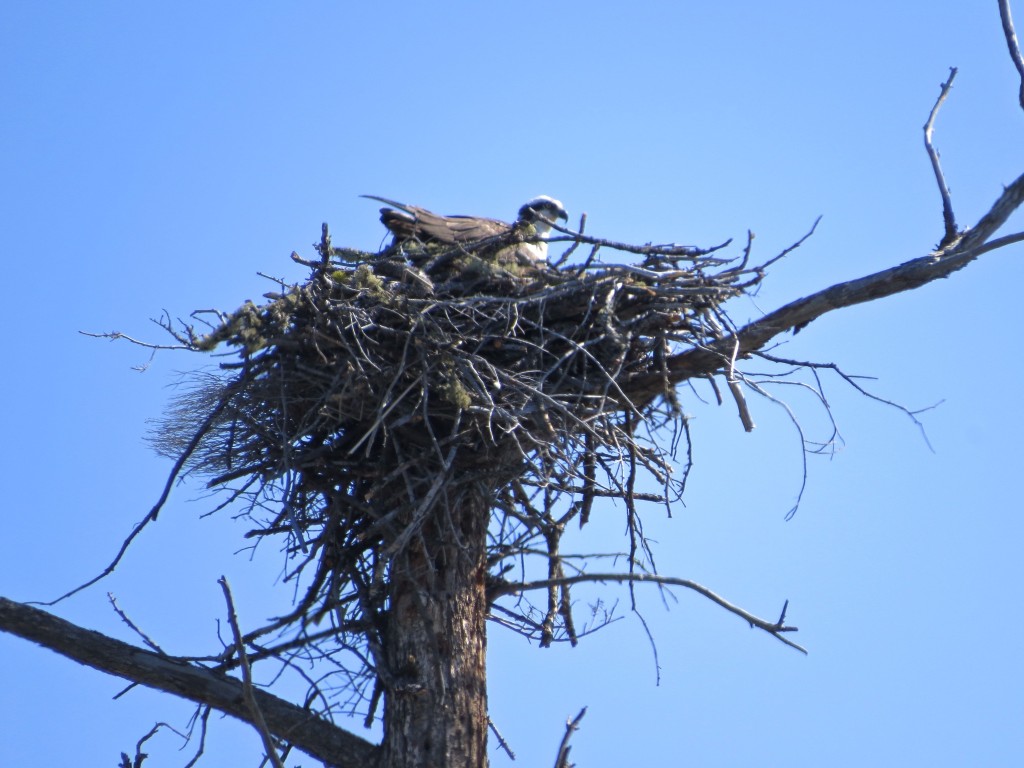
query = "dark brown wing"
{"x": 407, "y": 222}
{"x": 461, "y": 229}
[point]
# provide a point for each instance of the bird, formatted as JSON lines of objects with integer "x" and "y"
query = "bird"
{"x": 409, "y": 222}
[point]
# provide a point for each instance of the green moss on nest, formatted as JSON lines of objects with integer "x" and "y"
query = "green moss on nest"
{"x": 456, "y": 394}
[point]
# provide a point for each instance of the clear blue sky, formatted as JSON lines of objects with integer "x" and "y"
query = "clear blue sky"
{"x": 157, "y": 158}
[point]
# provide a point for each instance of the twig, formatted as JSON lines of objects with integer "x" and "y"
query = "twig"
{"x": 650, "y": 639}
{"x": 124, "y": 617}
{"x": 732, "y": 377}
{"x": 202, "y": 715}
{"x": 571, "y": 726}
{"x": 575, "y": 244}
{"x": 737, "y": 392}
{"x": 851, "y": 380}
{"x": 999, "y": 242}
{"x": 785, "y": 251}
{"x": 501, "y": 740}
{"x": 774, "y": 628}
{"x": 1012, "y": 44}
{"x": 151, "y": 516}
{"x": 803, "y": 443}
{"x": 668, "y": 250}
{"x": 247, "y": 688}
{"x": 948, "y": 219}
{"x": 118, "y": 336}
{"x": 325, "y": 245}
{"x": 140, "y": 756}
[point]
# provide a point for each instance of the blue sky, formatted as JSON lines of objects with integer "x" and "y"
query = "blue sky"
{"x": 158, "y": 158}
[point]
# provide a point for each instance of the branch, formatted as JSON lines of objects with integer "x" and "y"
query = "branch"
{"x": 948, "y": 220}
{"x": 501, "y": 740}
{"x": 709, "y": 359}
{"x": 318, "y": 738}
{"x": 774, "y": 628}
{"x": 1012, "y": 44}
{"x": 247, "y": 687}
{"x": 668, "y": 250}
{"x": 571, "y": 726}
{"x": 151, "y": 516}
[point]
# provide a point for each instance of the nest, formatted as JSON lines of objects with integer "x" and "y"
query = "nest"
{"x": 368, "y": 400}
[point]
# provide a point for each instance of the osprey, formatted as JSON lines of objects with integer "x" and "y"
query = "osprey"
{"x": 407, "y": 222}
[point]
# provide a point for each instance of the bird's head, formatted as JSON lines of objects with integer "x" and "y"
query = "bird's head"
{"x": 543, "y": 206}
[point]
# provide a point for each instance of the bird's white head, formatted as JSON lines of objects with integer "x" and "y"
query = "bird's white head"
{"x": 545, "y": 206}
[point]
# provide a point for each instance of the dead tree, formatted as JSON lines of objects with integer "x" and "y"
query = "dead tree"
{"x": 420, "y": 427}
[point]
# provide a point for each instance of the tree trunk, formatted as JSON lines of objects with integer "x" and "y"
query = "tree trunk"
{"x": 435, "y": 708}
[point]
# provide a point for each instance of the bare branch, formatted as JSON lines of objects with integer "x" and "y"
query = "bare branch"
{"x": 124, "y": 617}
{"x": 1012, "y": 44}
{"x": 319, "y": 738}
{"x": 269, "y": 747}
{"x": 1000, "y": 242}
{"x": 974, "y": 238}
{"x": 948, "y": 219}
{"x": 151, "y": 516}
{"x": 501, "y": 740}
{"x": 141, "y": 756}
{"x": 664, "y": 251}
{"x": 202, "y": 716}
{"x": 118, "y": 336}
{"x": 774, "y": 628}
{"x": 709, "y": 359}
{"x": 781, "y": 254}
{"x": 571, "y": 726}
{"x": 852, "y": 381}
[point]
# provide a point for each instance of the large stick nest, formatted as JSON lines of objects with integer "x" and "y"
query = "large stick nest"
{"x": 386, "y": 386}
